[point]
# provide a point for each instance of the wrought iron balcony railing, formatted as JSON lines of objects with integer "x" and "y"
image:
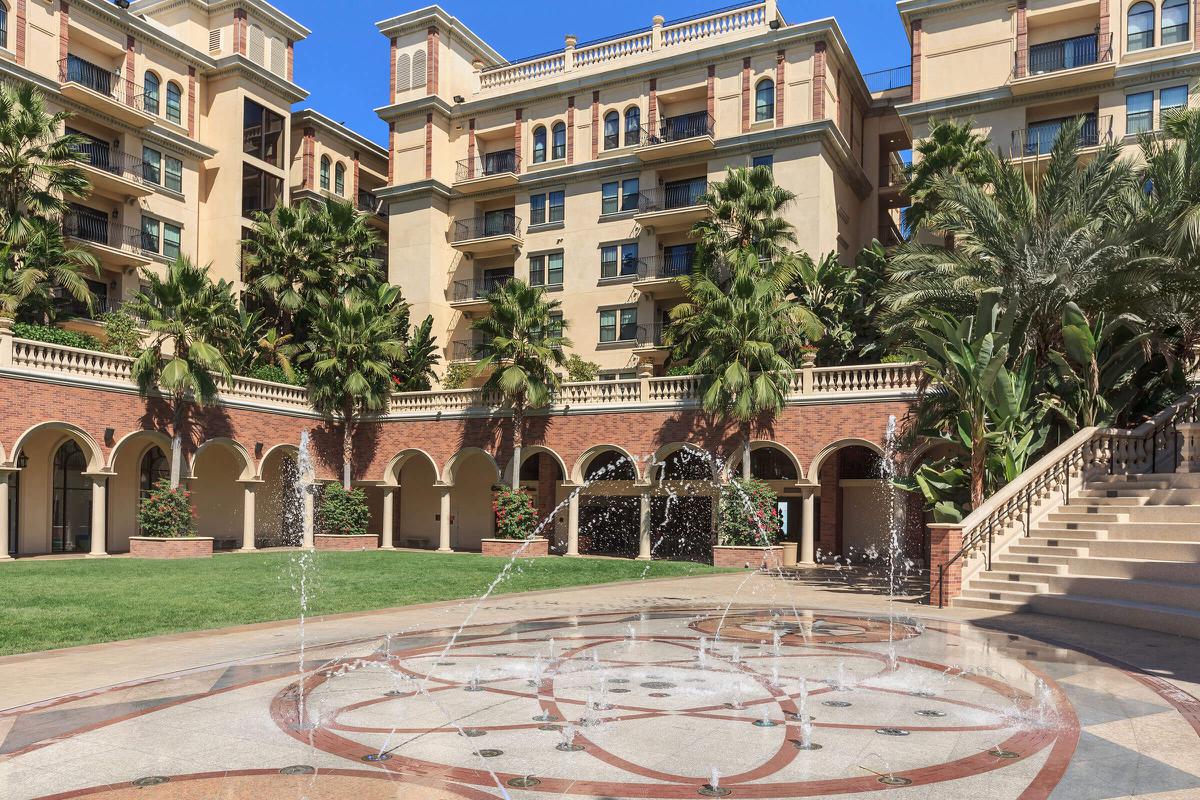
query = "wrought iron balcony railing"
{"x": 101, "y": 230}
{"x": 673, "y": 196}
{"x": 498, "y": 163}
{"x": 478, "y": 288}
{"x": 664, "y": 267}
{"x": 369, "y": 203}
{"x": 652, "y": 335}
{"x": 1038, "y": 139}
{"x": 507, "y": 224}
{"x": 100, "y": 156}
{"x": 679, "y": 128}
{"x": 1064, "y": 54}
{"x": 101, "y": 80}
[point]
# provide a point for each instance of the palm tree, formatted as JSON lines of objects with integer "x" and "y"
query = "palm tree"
{"x": 190, "y": 320}
{"x": 32, "y": 270}
{"x": 745, "y": 210}
{"x": 951, "y": 148}
{"x": 285, "y": 261}
{"x": 416, "y": 372}
{"x": 353, "y": 248}
{"x": 844, "y": 299}
{"x": 351, "y": 353}
{"x": 522, "y": 343}
{"x": 39, "y": 166}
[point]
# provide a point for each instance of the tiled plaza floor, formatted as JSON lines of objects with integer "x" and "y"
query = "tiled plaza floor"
{"x": 787, "y": 689}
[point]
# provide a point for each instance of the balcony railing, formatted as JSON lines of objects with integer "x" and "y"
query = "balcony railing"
{"x": 101, "y": 156}
{"x": 887, "y": 79}
{"x": 478, "y": 288}
{"x": 500, "y": 163}
{"x": 666, "y": 266}
{"x": 678, "y": 128}
{"x": 486, "y": 226}
{"x": 102, "y": 81}
{"x": 466, "y": 349}
{"x": 1038, "y": 139}
{"x": 1064, "y": 54}
{"x": 100, "y": 230}
{"x": 668, "y": 198}
{"x": 892, "y": 175}
{"x": 651, "y": 335}
{"x": 369, "y": 203}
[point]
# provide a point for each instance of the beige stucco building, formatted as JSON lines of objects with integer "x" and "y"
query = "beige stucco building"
{"x": 580, "y": 170}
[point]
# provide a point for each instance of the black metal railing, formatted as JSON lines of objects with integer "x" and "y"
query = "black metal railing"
{"x": 885, "y": 80}
{"x": 673, "y": 196}
{"x": 466, "y": 349}
{"x": 892, "y": 175}
{"x": 1063, "y": 54}
{"x": 651, "y": 335}
{"x": 368, "y": 202}
{"x": 507, "y": 224}
{"x": 1038, "y": 139}
{"x": 100, "y": 156}
{"x": 477, "y": 288}
{"x": 101, "y": 80}
{"x": 498, "y": 163}
{"x": 669, "y": 265}
{"x": 679, "y": 128}
{"x": 100, "y": 230}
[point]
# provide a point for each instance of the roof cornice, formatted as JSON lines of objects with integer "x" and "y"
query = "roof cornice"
{"x": 129, "y": 22}
{"x": 436, "y": 15}
{"x": 269, "y": 12}
{"x": 310, "y": 116}
{"x": 239, "y": 64}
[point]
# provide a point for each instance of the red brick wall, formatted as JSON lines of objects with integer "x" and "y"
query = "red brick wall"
{"x": 711, "y": 91}
{"x": 130, "y": 45}
{"x": 829, "y": 542}
{"x": 595, "y": 125}
{"x": 944, "y": 543}
{"x": 818, "y": 102}
{"x": 308, "y": 154}
{"x": 1022, "y": 39}
{"x": 391, "y": 153}
{"x": 753, "y": 557}
{"x": 571, "y": 130}
{"x": 171, "y": 548}
{"x": 64, "y": 31}
{"x": 745, "y": 94}
{"x": 429, "y": 145}
{"x": 780, "y": 60}
{"x": 517, "y": 136}
{"x": 1102, "y": 34}
{"x": 392, "y": 70}
{"x": 239, "y": 31}
{"x": 652, "y": 106}
{"x": 192, "y": 102}
{"x": 471, "y": 148}
{"x": 432, "y": 52}
{"x": 291, "y": 60}
{"x": 916, "y": 60}
{"x": 346, "y": 544}
{"x": 20, "y": 32}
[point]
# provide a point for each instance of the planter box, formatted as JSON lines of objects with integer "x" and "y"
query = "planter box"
{"x": 186, "y": 547}
{"x": 538, "y": 547}
{"x": 346, "y": 544}
{"x": 747, "y": 557}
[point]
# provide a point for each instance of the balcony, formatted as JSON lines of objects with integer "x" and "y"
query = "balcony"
{"x": 674, "y": 206}
{"x": 1037, "y": 140}
{"x": 112, "y": 172}
{"x": 889, "y": 80}
{"x": 489, "y": 234}
{"x": 657, "y": 274}
{"x": 1063, "y": 63}
{"x": 471, "y": 295}
{"x": 488, "y": 171}
{"x": 113, "y": 245}
{"x": 892, "y": 182}
{"x": 678, "y": 136}
{"x": 103, "y": 90}
{"x": 466, "y": 349}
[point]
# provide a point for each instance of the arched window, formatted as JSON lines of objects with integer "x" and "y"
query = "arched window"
{"x": 257, "y": 45}
{"x": 174, "y": 103}
{"x": 1175, "y": 15}
{"x": 325, "y": 172}
{"x": 3, "y": 25}
{"x": 612, "y": 130}
{"x": 686, "y": 464}
{"x": 539, "y": 144}
{"x": 339, "y": 179}
{"x": 558, "y": 148}
{"x": 633, "y": 126}
{"x": 403, "y": 72}
{"x": 154, "y": 468}
{"x": 150, "y": 87}
{"x": 764, "y": 100}
{"x": 1140, "y": 27}
{"x": 71, "y": 529}
{"x": 611, "y": 466}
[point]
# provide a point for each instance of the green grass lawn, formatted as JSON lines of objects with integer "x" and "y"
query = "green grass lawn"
{"x": 49, "y": 604}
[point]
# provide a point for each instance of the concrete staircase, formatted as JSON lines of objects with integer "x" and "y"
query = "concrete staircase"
{"x": 1125, "y": 550}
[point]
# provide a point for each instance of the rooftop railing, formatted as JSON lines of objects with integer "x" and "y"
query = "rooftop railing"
{"x": 885, "y": 80}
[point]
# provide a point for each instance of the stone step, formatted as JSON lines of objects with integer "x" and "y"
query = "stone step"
{"x": 1074, "y": 513}
{"x": 1079, "y": 512}
{"x": 1012, "y": 565}
{"x": 996, "y": 594}
{"x": 990, "y": 605}
{"x": 1059, "y": 539}
{"x": 1145, "y": 549}
{"x": 1071, "y": 530}
{"x": 993, "y": 581}
{"x": 1111, "y": 497}
{"x": 1033, "y": 559}
{"x": 1147, "y": 616}
{"x": 1160, "y": 531}
{"x": 1139, "y": 569}
{"x": 1168, "y": 593}
{"x": 1047, "y": 550}
{"x": 1180, "y": 480}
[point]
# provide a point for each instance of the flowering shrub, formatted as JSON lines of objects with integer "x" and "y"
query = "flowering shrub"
{"x": 344, "y": 513}
{"x": 516, "y": 517}
{"x": 166, "y": 513}
{"x": 749, "y": 515}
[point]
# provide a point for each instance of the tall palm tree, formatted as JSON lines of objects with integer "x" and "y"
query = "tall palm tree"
{"x": 745, "y": 210}
{"x": 951, "y": 148}
{"x": 190, "y": 320}
{"x": 31, "y": 271}
{"x": 522, "y": 344}
{"x": 352, "y": 351}
{"x": 284, "y": 263}
{"x": 416, "y": 372}
{"x": 353, "y": 248}
{"x": 39, "y": 166}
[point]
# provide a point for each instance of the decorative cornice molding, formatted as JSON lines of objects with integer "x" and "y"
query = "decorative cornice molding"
{"x": 310, "y": 116}
{"x": 269, "y": 12}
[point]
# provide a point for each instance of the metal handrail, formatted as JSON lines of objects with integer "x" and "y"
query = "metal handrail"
{"x": 101, "y": 230}
{"x": 679, "y": 128}
{"x": 481, "y": 166}
{"x": 1064, "y": 54}
{"x": 486, "y": 226}
{"x": 108, "y": 159}
{"x": 666, "y": 266}
{"x": 885, "y": 80}
{"x": 1039, "y": 141}
{"x": 651, "y": 335}
{"x": 477, "y": 288}
{"x": 668, "y": 198}
{"x": 102, "y": 81}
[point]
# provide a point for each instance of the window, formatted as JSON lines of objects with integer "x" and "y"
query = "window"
{"x": 1140, "y": 27}
{"x": 262, "y": 133}
{"x": 1174, "y": 22}
{"x": 764, "y": 100}
{"x": 612, "y": 130}
{"x": 150, "y": 92}
{"x": 172, "y": 237}
{"x": 325, "y": 163}
{"x": 1171, "y": 100}
{"x": 1139, "y": 112}
{"x": 618, "y": 325}
{"x": 619, "y": 196}
{"x": 558, "y": 147}
{"x": 260, "y": 191}
{"x": 339, "y": 179}
{"x": 633, "y": 126}
{"x": 3, "y": 26}
{"x": 556, "y": 324}
{"x": 174, "y": 103}
{"x": 537, "y": 270}
{"x": 539, "y": 144}
{"x": 557, "y": 206}
{"x": 767, "y": 161}
{"x": 618, "y": 261}
{"x": 546, "y": 270}
{"x": 174, "y": 174}
{"x": 151, "y": 165}
{"x": 537, "y": 209}
{"x": 150, "y": 228}
{"x": 629, "y": 194}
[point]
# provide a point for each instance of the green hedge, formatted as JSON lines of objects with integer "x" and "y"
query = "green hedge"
{"x": 52, "y": 335}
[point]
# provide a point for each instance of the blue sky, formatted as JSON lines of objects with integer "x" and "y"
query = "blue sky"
{"x": 344, "y": 63}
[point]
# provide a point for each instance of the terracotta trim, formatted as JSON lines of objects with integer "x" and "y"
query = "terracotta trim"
{"x": 916, "y": 59}
{"x": 391, "y": 153}
{"x": 307, "y": 158}
{"x": 432, "y": 48}
{"x": 595, "y": 125}
{"x": 291, "y": 59}
{"x": 818, "y": 102}
{"x": 429, "y": 145}
{"x": 518, "y": 128}
{"x": 470, "y": 148}
{"x": 20, "y": 32}
{"x": 354, "y": 185}
{"x": 130, "y": 45}
{"x": 571, "y": 129}
{"x": 64, "y": 32}
{"x": 192, "y": 102}
{"x": 745, "y": 94}
{"x": 239, "y": 31}
{"x": 780, "y": 61}
{"x": 711, "y": 91}
{"x": 392, "y": 71}
{"x": 652, "y": 111}
{"x": 1022, "y": 38}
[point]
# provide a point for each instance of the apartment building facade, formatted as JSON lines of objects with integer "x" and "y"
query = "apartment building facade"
{"x": 580, "y": 170}
{"x": 1020, "y": 68}
{"x": 185, "y": 109}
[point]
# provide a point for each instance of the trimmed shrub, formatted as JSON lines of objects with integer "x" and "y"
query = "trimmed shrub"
{"x": 275, "y": 374}
{"x": 516, "y": 518}
{"x": 580, "y": 371}
{"x": 749, "y": 515}
{"x": 344, "y": 513}
{"x": 458, "y": 375}
{"x": 121, "y": 334}
{"x": 166, "y": 513}
{"x": 52, "y": 335}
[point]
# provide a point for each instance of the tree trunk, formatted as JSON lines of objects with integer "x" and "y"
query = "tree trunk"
{"x": 978, "y": 468}
{"x": 518, "y": 442}
{"x": 347, "y": 447}
{"x": 177, "y": 444}
{"x": 746, "y": 473}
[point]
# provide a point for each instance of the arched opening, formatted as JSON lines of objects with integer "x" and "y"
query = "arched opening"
{"x": 71, "y": 501}
{"x": 339, "y": 179}
{"x": 854, "y": 506}
{"x": 137, "y": 462}
{"x": 612, "y": 130}
{"x": 325, "y": 165}
{"x": 609, "y": 505}
{"x": 541, "y": 476}
{"x": 776, "y": 467}
{"x": 472, "y": 518}
{"x": 1140, "y": 27}
{"x": 539, "y": 144}
{"x": 216, "y": 495}
{"x": 683, "y": 512}
{"x": 764, "y": 100}
{"x": 278, "y": 506}
{"x": 174, "y": 103}
{"x": 1175, "y": 18}
{"x": 417, "y": 504}
{"x": 150, "y": 96}
{"x": 633, "y": 126}
{"x": 558, "y": 143}
{"x": 41, "y": 454}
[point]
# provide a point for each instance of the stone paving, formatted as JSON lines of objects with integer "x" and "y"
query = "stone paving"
{"x": 787, "y": 689}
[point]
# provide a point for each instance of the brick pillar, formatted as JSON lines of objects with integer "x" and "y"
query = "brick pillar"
{"x": 652, "y": 111}
{"x": 392, "y": 77}
{"x": 130, "y": 44}
{"x": 391, "y": 153}
{"x": 307, "y": 158}
{"x": 1103, "y": 33}
{"x": 20, "y": 32}
{"x": 916, "y": 60}
{"x": 428, "y": 145}
{"x": 595, "y": 125}
{"x": 239, "y": 30}
{"x": 64, "y": 34}
{"x": 945, "y": 541}
{"x": 354, "y": 185}
{"x": 192, "y": 102}
{"x": 571, "y": 129}
{"x": 745, "y": 94}
{"x": 433, "y": 36}
{"x": 1022, "y": 39}
{"x": 547, "y": 470}
{"x": 291, "y": 59}
{"x": 828, "y": 476}
{"x": 517, "y": 126}
{"x": 471, "y": 148}
{"x": 780, "y": 60}
{"x": 711, "y": 92}
{"x": 818, "y": 102}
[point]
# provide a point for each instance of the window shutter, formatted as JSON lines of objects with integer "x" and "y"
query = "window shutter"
{"x": 403, "y": 72}
{"x": 418, "y": 69}
{"x": 257, "y": 45}
{"x": 214, "y": 41}
{"x": 278, "y": 57}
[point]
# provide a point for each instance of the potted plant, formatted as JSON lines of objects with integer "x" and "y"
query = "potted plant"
{"x": 808, "y": 356}
{"x": 344, "y": 518}
{"x": 516, "y": 524}
{"x": 749, "y": 527}
{"x": 166, "y": 524}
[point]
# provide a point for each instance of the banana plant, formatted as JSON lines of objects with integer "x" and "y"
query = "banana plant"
{"x": 1092, "y": 379}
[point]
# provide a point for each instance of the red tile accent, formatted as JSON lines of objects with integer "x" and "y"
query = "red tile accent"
{"x": 291, "y": 59}
{"x": 308, "y": 156}
{"x": 652, "y": 112}
{"x": 711, "y": 91}
{"x": 391, "y": 153}
{"x": 595, "y": 125}
{"x": 517, "y": 127}
{"x": 428, "y": 145}
{"x": 571, "y": 129}
{"x": 1022, "y": 38}
{"x": 432, "y": 49}
{"x": 239, "y": 31}
{"x": 130, "y": 44}
{"x": 392, "y": 75}
{"x": 192, "y": 102}
{"x": 20, "y": 31}
{"x": 471, "y": 148}
{"x": 780, "y": 61}
{"x": 818, "y": 102}
{"x": 916, "y": 59}
{"x": 64, "y": 30}
{"x": 745, "y": 94}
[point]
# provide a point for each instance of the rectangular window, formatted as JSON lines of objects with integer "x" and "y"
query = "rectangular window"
{"x": 150, "y": 228}
{"x": 537, "y": 209}
{"x": 629, "y": 194}
{"x": 619, "y": 261}
{"x": 609, "y": 201}
{"x": 260, "y": 191}
{"x": 174, "y": 174}
{"x": 619, "y": 325}
{"x": 608, "y": 261}
{"x": 172, "y": 238}
{"x": 554, "y": 269}
{"x": 557, "y": 206}
{"x": 556, "y": 323}
{"x": 629, "y": 259}
{"x": 151, "y": 165}
{"x": 537, "y": 270}
{"x": 1139, "y": 112}
{"x": 767, "y": 161}
{"x": 1171, "y": 100}
{"x": 262, "y": 133}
